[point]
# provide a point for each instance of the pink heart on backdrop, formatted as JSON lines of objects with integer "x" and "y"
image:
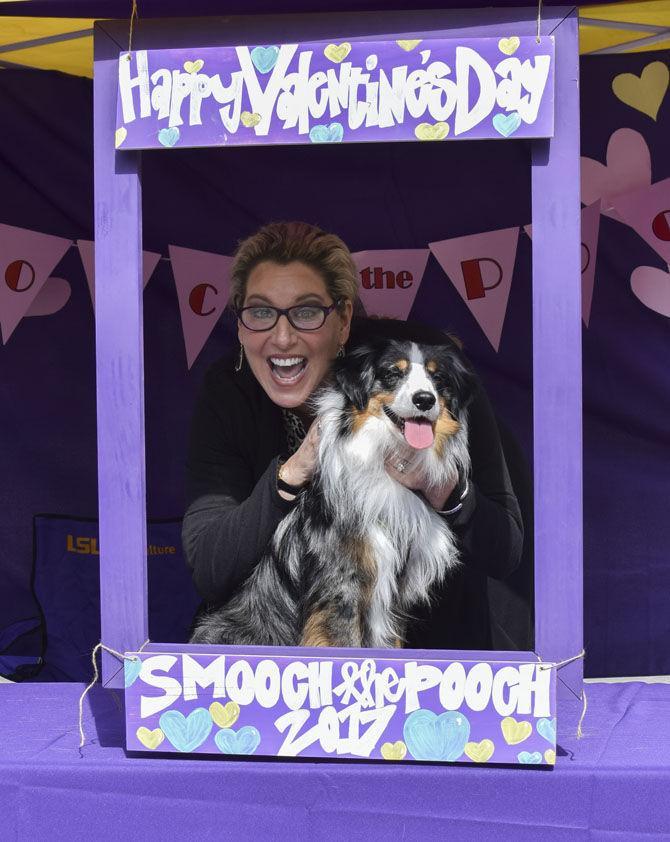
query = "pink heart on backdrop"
{"x": 652, "y": 287}
{"x": 628, "y": 168}
{"x": 53, "y": 296}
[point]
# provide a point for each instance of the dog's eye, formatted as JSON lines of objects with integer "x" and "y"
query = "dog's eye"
{"x": 390, "y": 377}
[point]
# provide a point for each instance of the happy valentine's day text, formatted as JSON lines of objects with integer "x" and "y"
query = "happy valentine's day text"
{"x": 332, "y": 693}
{"x": 381, "y": 97}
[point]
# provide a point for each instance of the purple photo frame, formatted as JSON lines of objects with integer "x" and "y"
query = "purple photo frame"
{"x": 556, "y": 336}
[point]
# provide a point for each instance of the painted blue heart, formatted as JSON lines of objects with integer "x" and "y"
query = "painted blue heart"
{"x": 264, "y": 58}
{"x": 547, "y": 728}
{"x": 327, "y": 134}
{"x": 534, "y": 757}
{"x": 168, "y": 137}
{"x": 131, "y": 669}
{"x": 186, "y": 733}
{"x": 432, "y": 737}
{"x": 244, "y": 741}
{"x": 506, "y": 124}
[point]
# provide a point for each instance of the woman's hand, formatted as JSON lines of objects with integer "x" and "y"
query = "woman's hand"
{"x": 299, "y": 468}
{"x": 413, "y": 478}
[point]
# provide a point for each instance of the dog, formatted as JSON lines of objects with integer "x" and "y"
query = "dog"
{"x": 359, "y": 550}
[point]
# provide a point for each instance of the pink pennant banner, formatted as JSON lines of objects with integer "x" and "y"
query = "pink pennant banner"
{"x": 647, "y": 211}
{"x": 202, "y": 280}
{"x": 481, "y": 266}
{"x": 390, "y": 280}
{"x": 27, "y": 258}
{"x": 53, "y": 296}
{"x": 627, "y": 167}
{"x": 652, "y": 287}
{"x": 87, "y": 252}
{"x": 590, "y": 233}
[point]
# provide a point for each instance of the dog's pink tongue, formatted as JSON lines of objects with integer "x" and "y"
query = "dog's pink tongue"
{"x": 419, "y": 434}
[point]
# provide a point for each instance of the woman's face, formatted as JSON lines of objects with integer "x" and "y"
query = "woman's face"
{"x": 310, "y": 352}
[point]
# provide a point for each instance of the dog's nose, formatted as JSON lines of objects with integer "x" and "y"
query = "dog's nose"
{"x": 423, "y": 400}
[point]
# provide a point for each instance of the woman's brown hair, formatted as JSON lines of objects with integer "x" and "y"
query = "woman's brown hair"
{"x": 286, "y": 242}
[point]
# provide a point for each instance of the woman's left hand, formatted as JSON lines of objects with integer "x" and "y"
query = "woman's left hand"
{"x": 413, "y": 477}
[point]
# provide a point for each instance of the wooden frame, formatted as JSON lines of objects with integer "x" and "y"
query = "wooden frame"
{"x": 556, "y": 320}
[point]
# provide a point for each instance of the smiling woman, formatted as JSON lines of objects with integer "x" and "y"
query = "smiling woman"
{"x": 256, "y": 449}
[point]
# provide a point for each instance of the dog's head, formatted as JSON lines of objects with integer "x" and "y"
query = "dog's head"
{"x": 420, "y": 392}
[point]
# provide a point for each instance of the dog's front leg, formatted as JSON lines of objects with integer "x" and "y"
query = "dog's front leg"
{"x": 338, "y": 595}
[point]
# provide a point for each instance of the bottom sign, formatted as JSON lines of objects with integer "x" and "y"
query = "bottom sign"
{"x": 286, "y": 705}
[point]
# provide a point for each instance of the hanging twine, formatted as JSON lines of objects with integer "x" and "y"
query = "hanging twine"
{"x": 559, "y": 666}
{"x": 96, "y": 675}
{"x": 539, "y": 19}
{"x": 134, "y": 15}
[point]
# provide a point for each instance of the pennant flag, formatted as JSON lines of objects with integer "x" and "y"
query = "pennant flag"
{"x": 652, "y": 287}
{"x": 480, "y": 266}
{"x": 53, "y": 296}
{"x": 27, "y": 258}
{"x": 390, "y": 280}
{"x": 203, "y": 285}
{"x": 647, "y": 211}
{"x": 628, "y": 168}
{"x": 590, "y": 232}
{"x": 87, "y": 252}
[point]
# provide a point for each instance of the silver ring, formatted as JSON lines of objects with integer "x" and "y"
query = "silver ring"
{"x": 401, "y": 467}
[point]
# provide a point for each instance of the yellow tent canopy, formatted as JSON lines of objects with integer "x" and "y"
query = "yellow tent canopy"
{"x": 66, "y": 44}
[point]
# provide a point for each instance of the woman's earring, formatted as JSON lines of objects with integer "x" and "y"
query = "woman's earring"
{"x": 340, "y": 351}
{"x": 240, "y": 359}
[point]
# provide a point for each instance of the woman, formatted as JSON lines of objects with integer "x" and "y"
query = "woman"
{"x": 253, "y": 443}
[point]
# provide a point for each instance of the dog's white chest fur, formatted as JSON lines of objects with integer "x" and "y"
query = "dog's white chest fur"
{"x": 412, "y": 548}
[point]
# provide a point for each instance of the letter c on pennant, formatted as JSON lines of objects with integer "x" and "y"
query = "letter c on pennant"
{"x": 196, "y": 299}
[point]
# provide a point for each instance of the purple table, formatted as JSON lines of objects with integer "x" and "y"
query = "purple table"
{"x": 612, "y": 784}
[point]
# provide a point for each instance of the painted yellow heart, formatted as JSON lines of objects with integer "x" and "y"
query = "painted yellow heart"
{"x": 434, "y": 131}
{"x": 150, "y": 739}
{"x": 644, "y": 93}
{"x": 480, "y": 752}
{"x": 509, "y": 45}
{"x": 224, "y": 715}
{"x": 550, "y": 756}
{"x": 515, "y": 732}
{"x": 119, "y": 136}
{"x": 250, "y": 120}
{"x": 394, "y": 751}
{"x": 408, "y": 45}
{"x": 194, "y": 66}
{"x": 337, "y": 52}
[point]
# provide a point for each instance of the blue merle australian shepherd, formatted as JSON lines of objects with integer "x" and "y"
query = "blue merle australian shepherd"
{"x": 359, "y": 550}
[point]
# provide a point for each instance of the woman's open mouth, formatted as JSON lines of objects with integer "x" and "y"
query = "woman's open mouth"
{"x": 418, "y": 432}
{"x": 287, "y": 370}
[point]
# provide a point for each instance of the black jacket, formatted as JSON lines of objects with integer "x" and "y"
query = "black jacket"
{"x": 233, "y": 506}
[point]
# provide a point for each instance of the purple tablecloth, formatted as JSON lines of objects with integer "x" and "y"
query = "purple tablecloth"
{"x": 612, "y": 784}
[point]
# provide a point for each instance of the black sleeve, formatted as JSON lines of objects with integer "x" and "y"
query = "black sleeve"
{"x": 230, "y": 518}
{"x": 489, "y": 524}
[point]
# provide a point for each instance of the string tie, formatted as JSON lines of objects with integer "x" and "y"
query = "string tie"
{"x": 559, "y": 665}
{"x": 96, "y": 675}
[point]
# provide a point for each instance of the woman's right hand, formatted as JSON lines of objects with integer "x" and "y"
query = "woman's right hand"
{"x": 299, "y": 468}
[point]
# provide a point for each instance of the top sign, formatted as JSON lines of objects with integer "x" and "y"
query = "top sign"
{"x": 456, "y": 89}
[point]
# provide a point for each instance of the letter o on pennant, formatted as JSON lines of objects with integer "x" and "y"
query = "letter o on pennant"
{"x": 19, "y": 275}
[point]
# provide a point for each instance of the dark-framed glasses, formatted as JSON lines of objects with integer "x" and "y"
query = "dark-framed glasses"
{"x": 261, "y": 317}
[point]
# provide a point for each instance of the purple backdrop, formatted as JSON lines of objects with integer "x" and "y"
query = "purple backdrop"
{"x": 390, "y": 196}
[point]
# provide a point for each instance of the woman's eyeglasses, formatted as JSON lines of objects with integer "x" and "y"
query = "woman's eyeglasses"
{"x": 302, "y": 317}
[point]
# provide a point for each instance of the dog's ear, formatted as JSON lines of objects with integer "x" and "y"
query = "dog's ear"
{"x": 460, "y": 379}
{"x": 355, "y": 375}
